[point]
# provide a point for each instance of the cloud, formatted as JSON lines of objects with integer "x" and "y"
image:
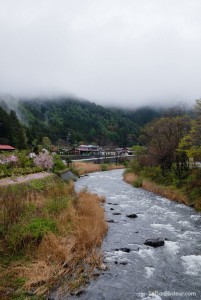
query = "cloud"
{"x": 116, "y": 52}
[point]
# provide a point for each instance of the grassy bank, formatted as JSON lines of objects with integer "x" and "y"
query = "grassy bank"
{"x": 182, "y": 195}
{"x": 168, "y": 192}
{"x": 49, "y": 237}
{"x": 85, "y": 168}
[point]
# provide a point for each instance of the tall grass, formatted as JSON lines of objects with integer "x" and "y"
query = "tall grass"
{"x": 130, "y": 177}
{"x": 52, "y": 239}
{"x": 85, "y": 168}
{"x": 165, "y": 191}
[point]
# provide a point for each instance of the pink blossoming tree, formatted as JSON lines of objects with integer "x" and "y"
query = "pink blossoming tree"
{"x": 44, "y": 160}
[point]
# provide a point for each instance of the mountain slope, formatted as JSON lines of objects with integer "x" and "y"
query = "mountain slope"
{"x": 85, "y": 121}
{"x": 81, "y": 120}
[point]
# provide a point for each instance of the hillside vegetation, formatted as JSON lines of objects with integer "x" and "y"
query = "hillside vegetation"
{"x": 171, "y": 157}
{"x": 11, "y": 130}
{"x": 85, "y": 121}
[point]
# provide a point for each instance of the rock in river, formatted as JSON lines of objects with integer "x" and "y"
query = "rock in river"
{"x": 124, "y": 249}
{"x": 154, "y": 242}
{"x": 132, "y": 216}
{"x": 111, "y": 221}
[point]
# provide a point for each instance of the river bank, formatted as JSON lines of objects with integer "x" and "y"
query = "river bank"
{"x": 83, "y": 168}
{"x": 49, "y": 236}
{"x": 169, "y": 192}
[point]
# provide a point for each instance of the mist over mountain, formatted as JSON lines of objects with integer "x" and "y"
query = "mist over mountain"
{"x": 86, "y": 121}
{"x": 132, "y": 54}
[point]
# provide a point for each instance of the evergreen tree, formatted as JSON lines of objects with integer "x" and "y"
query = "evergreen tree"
{"x": 11, "y": 130}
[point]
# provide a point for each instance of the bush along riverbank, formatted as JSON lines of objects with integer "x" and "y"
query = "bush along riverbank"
{"x": 187, "y": 191}
{"x": 50, "y": 238}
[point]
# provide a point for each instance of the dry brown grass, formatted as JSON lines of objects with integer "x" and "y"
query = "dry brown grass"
{"x": 68, "y": 259}
{"x": 89, "y": 167}
{"x": 90, "y": 221}
{"x": 198, "y": 204}
{"x": 167, "y": 192}
{"x": 14, "y": 198}
{"x": 130, "y": 177}
{"x": 84, "y": 168}
{"x": 115, "y": 167}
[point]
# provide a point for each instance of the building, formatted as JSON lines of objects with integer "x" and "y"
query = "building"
{"x": 124, "y": 151}
{"x": 6, "y": 148}
{"x": 87, "y": 150}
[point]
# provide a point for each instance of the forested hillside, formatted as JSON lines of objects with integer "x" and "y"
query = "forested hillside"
{"x": 74, "y": 121}
{"x": 85, "y": 121}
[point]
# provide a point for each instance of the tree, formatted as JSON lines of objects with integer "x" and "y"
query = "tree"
{"x": 181, "y": 165}
{"x": 11, "y": 130}
{"x": 46, "y": 143}
{"x": 4, "y": 127}
{"x": 191, "y": 142}
{"x": 138, "y": 150}
{"x": 58, "y": 163}
{"x": 198, "y": 108}
{"x": 44, "y": 161}
{"x": 164, "y": 136}
{"x": 17, "y": 132}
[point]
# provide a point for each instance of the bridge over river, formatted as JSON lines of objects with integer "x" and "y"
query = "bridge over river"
{"x": 105, "y": 159}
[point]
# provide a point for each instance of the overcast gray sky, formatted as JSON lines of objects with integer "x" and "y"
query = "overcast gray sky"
{"x": 123, "y": 52}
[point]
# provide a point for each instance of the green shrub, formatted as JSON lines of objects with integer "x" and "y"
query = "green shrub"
{"x": 24, "y": 161}
{"x": 41, "y": 184}
{"x": 126, "y": 163}
{"x": 22, "y": 234}
{"x": 135, "y": 167}
{"x": 5, "y": 171}
{"x": 56, "y": 205}
{"x": 58, "y": 164}
{"x": 193, "y": 184}
{"x": 29, "y": 210}
{"x": 138, "y": 183}
{"x": 104, "y": 167}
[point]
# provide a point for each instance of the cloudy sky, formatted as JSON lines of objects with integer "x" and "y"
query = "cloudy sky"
{"x": 122, "y": 52}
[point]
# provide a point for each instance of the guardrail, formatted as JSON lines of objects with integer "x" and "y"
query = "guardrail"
{"x": 105, "y": 159}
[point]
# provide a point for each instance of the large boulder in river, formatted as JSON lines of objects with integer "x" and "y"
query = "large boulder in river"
{"x": 154, "y": 242}
{"x": 132, "y": 216}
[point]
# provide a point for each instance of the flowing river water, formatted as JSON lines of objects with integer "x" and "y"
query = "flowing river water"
{"x": 172, "y": 271}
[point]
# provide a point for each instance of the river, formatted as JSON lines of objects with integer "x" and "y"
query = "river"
{"x": 170, "y": 272}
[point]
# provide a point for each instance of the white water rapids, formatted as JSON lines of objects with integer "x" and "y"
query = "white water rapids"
{"x": 170, "y": 272}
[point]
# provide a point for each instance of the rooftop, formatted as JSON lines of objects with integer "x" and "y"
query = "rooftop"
{"x": 6, "y": 147}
